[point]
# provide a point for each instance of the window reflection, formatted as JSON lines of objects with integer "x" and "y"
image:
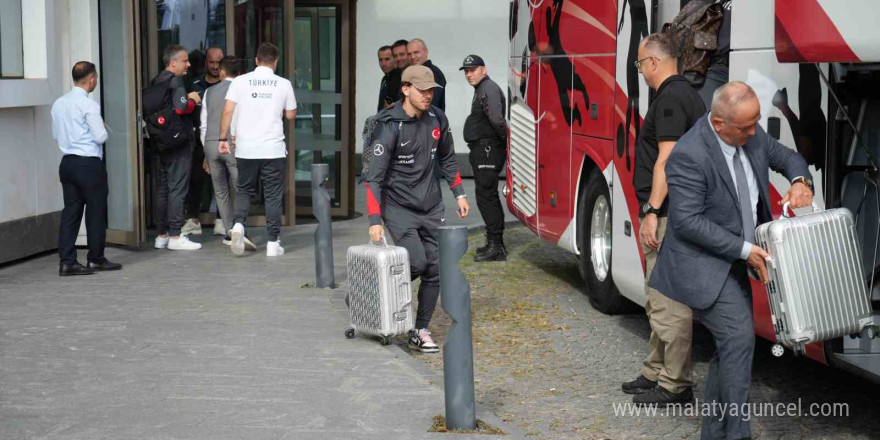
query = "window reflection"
{"x": 194, "y": 24}
{"x": 256, "y": 22}
{"x": 318, "y": 88}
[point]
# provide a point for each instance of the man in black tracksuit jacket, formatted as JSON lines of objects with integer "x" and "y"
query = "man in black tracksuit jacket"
{"x": 403, "y": 189}
{"x": 485, "y": 132}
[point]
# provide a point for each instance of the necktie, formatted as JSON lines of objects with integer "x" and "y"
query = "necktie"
{"x": 745, "y": 201}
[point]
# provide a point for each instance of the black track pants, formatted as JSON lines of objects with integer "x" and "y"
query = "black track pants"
{"x": 419, "y": 234}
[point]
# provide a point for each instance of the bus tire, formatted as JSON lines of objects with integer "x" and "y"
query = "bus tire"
{"x": 594, "y": 205}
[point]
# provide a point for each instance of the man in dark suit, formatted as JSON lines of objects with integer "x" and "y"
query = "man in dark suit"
{"x": 719, "y": 190}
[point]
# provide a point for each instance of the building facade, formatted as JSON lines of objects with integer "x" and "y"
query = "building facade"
{"x": 328, "y": 52}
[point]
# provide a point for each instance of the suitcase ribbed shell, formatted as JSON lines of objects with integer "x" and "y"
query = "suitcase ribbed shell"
{"x": 380, "y": 292}
{"x": 817, "y": 286}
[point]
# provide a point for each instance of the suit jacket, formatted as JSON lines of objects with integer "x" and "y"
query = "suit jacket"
{"x": 704, "y": 234}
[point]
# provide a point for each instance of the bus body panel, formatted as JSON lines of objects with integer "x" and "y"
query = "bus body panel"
{"x": 552, "y": 55}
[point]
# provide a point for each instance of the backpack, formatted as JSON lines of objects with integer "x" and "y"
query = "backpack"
{"x": 694, "y": 34}
{"x": 367, "y": 136}
{"x": 166, "y": 128}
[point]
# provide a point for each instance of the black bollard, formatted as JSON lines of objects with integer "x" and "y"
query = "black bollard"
{"x": 458, "y": 350}
{"x": 324, "y": 232}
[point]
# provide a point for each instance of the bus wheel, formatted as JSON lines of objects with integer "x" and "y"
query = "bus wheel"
{"x": 594, "y": 243}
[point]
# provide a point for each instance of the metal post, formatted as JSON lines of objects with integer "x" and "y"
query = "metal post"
{"x": 324, "y": 232}
{"x": 458, "y": 350}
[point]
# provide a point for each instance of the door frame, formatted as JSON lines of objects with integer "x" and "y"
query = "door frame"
{"x": 137, "y": 236}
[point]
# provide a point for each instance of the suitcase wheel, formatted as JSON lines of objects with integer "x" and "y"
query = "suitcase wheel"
{"x": 870, "y": 332}
{"x": 385, "y": 340}
{"x": 349, "y": 333}
{"x": 777, "y": 350}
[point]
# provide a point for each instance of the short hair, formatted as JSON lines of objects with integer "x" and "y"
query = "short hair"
{"x": 230, "y": 65}
{"x": 267, "y": 53}
{"x": 208, "y": 50}
{"x": 171, "y": 52}
{"x": 661, "y": 45}
{"x": 399, "y": 43}
{"x": 384, "y": 48}
{"x": 82, "y": 70}
{"x": 418, "y": 40}
{"x": 728, "y": 97}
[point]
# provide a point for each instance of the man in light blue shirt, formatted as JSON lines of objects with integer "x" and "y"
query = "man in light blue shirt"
{"x": 80, "y": 132}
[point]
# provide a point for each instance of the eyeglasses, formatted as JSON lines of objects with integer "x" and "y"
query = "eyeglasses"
{"x": 638, "y": 63}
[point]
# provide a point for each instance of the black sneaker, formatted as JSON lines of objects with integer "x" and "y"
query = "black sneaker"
{"x": 662, "y": 396}
{"x": 638, "y": 386}
{"x": 420, "y": 339}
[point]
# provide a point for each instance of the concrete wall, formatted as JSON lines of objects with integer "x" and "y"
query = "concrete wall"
{"x": 452, "y": 29}
{"x": 56, "y": 34}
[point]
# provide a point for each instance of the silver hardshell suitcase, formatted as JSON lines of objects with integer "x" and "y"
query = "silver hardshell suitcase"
{"x": 817, "y": 286}
{"x": 380, "y": 291}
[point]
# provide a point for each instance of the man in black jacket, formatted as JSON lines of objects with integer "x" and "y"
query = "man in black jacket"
{"x": 418, "y": 54}
{"x": 173, "y": 165}
{"x": 389, "y": 88}
{"x": 485, "y": 132}
{"x": 402, "y": 187}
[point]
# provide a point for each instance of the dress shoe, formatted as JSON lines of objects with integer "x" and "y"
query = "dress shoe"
{"x": 67, "y": 270}
{"x": 106, "y": 265}
{"x": 495, "y": 251}
{"x": 662, "y": 396}
{"x": 641, "y": 385}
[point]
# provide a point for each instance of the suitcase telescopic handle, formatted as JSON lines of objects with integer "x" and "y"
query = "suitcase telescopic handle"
{"x": 786, "y": 209}
{"x": 384, "y": 241}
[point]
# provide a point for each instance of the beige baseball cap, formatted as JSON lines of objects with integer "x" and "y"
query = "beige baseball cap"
{"x": 420, "y": 77}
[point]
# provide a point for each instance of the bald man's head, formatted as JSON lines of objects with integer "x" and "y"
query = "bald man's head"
{"x": 418, "y": 51}
{"x": 735, "y": 112}
{"x": 212, "y": 62}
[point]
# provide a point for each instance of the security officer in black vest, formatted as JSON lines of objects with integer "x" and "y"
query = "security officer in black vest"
{"x": 485, "y": 132}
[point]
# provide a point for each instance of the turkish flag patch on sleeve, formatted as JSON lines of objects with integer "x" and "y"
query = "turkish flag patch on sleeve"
{"x": 436, "y": 133}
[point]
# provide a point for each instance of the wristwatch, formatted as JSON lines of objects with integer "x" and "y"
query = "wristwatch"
{"x": 805, "y": 180}
{"x": 648, "y": 209}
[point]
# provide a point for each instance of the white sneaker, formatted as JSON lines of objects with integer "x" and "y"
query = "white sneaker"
{"x": 274, "y": 249}
{"x": 237, "y": 236}
{"x": 161, "y": 242}
{"x": 183, "y": 244}
{"x": 191, "y": 227}
{"x": 218, "y": 228}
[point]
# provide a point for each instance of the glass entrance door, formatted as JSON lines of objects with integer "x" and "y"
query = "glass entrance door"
{"x": 120, "y": 103}
{"x": 322, "y": 86}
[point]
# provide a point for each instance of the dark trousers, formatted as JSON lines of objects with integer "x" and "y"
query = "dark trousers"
{"x": 173, "y": 169}
{"x": 732, "y": 326}
{"x": 487, "y": 159}
{"x": 84, "y": 182}
{"x": 419, "y": 233}
{"x": 197, "y": 180}
{"x": 272, "y": 171}
{"x": 716, "y": 76}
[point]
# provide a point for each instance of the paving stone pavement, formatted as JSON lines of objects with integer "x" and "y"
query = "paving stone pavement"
{"x": 203, "y": 345}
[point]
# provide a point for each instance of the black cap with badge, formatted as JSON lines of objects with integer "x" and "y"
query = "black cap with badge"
{"x": 472, "y": 61}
